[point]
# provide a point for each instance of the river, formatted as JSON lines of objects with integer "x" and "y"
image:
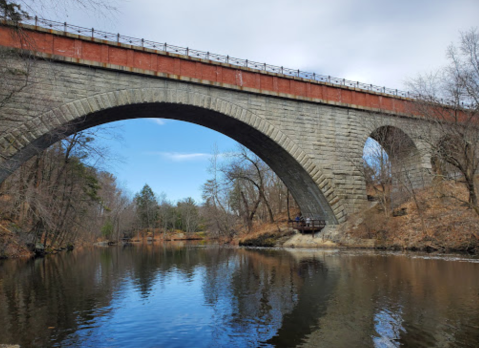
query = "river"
{"x": 194, "y": 295}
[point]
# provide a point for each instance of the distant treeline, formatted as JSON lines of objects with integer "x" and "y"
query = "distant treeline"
{"x": 61, "y": 197}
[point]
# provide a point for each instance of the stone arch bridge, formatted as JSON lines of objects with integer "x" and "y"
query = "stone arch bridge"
{"x": 311, "y": 133}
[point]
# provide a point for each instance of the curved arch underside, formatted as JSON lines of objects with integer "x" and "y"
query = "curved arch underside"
{"x": 394, "y": 140}
{"x": 404, "y": 155}
{"x": 304, "y": 180}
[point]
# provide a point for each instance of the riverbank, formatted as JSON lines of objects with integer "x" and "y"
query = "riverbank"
{"x": 14, "y": 241}
{"x": 442, "y": 224}
{"x": 345, "y": 236}
{"x": 11, "y": 243}
{"x": 165, "y": 236}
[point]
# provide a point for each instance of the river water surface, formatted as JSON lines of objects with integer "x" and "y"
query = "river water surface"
{"x": 191, "y": 295}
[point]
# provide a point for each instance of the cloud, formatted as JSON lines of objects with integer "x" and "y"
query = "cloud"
{"x": 372, "y": 41}
{"x": 195, "y": 156}
{"x": 158, "y": 121}
{"x": 183, "y": 157}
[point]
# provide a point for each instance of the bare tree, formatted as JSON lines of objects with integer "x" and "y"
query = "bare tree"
{"x": 249, "y": 168}
{"x": 216, "y": 210}
{"x": 449, "y": 99}
{"x": 13, "y": 9}
{"x": 188, "y": 211}
{"x": 376, "y": 170}
{"x": 242, "y": 191}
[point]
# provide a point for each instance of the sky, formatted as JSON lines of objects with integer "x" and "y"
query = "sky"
{"x": 382, "y": 42}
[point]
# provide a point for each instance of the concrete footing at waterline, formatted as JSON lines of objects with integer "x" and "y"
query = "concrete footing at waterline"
{"x": 332, "y": 236}
{"x": 327, "y": 238}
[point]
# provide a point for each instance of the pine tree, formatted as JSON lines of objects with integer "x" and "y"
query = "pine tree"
{"x": 147, "y": 207}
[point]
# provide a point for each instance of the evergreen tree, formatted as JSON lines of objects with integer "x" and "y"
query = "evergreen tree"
{"x": 147, "y": 207}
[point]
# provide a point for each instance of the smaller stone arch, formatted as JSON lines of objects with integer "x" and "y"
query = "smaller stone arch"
{"x": 406, "y": 160}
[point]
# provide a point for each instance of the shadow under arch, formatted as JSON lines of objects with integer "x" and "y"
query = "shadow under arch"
{"x": 395, "y": 141}
{"x": 303, "y": 178}
{"x": 405, "y": 159}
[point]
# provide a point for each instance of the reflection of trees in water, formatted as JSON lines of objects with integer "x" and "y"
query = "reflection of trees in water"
{"x": 254, "y": 297}
{"x": 249, "y": 292}
{"x": 73, "y": 290}
{"x": 313, "y": 296}
{"x": 37, "y": 294}
{"x": 155, "y": 263}
{"x": 389, "y": 301}
{"x": 272, "y": 297}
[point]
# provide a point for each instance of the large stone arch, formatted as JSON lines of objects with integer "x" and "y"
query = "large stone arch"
{"x": 312, "y": 190}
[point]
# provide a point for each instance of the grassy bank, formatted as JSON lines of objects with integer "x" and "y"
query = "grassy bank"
{"x": 437, "y": 221}
{"x": 11, "y": 243}
{"x": 266, "y": 235}
{"x": 443, "y": 222}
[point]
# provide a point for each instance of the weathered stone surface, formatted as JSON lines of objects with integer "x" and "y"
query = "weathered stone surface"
{"x": 315, "y": 148}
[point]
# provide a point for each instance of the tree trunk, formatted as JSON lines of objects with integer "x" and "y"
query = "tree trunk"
{"x": 248, "y": 220}
{"x": 287, "y": 205}
{"x": 270, "y": 212}
{"x": 472, "y": 193}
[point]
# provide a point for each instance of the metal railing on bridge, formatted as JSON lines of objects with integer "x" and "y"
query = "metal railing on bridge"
{"x": 240, "y": 62}
{"x": 164, "y": 47}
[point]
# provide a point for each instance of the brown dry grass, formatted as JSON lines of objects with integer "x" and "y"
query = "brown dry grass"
{"x": 449, "y": 223}
{"x": 265, "y": 233}
{"x": 10, "y": 245}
